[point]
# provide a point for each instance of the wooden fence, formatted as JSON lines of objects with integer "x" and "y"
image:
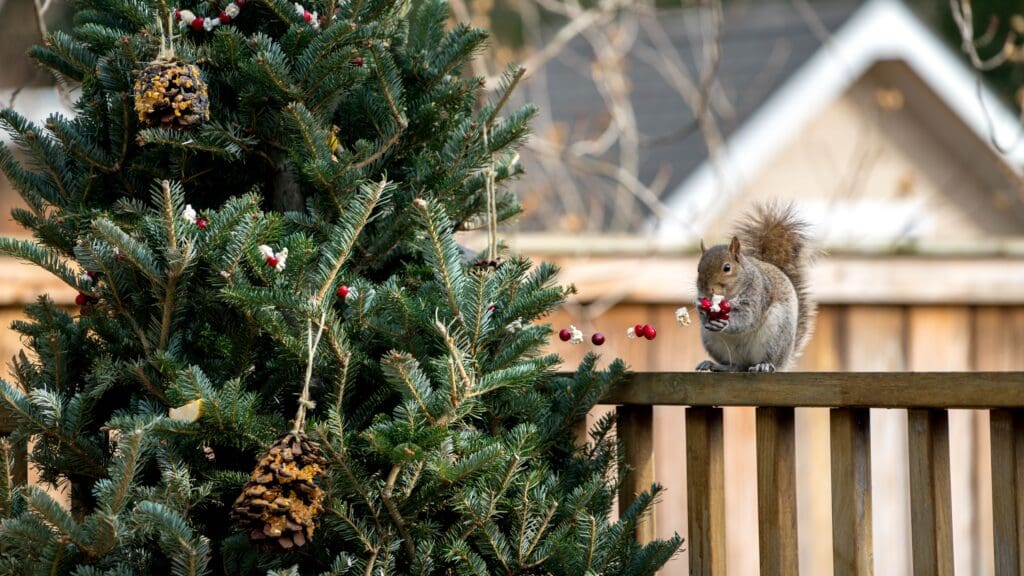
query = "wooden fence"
{"x": 925, "y": 396}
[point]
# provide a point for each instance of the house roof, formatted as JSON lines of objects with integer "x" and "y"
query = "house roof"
{"x": 779, "y": 67}
{"x": 763, "y": 43}
{"x": 880, "y": 31}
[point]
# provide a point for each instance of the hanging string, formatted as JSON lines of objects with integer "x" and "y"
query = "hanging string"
{"x": 492, "y": 202}
{"x": 305, "y": 403}
{"x": 166, "y": 37}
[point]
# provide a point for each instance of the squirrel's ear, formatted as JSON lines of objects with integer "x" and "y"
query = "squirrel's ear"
{"x": 734, "y": 248}
{"x": 703, "y": 249}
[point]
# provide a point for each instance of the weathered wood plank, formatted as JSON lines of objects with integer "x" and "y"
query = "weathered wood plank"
{"x": 1005, "y": 492}
{"x": 776, "y": 492}
{"x": 825, "y": 389}
{"x": 705, "y": 488}
{"x": 635, "y": 427}
{"x": 930, "y": 505}
{"x": 851, "y": 492}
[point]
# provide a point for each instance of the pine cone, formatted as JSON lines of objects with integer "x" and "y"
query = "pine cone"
{"x": 279, "y": 504}
{"x": 171, "y": 95}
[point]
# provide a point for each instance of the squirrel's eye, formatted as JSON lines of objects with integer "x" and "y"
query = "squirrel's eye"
{"x": 726, "y": 267}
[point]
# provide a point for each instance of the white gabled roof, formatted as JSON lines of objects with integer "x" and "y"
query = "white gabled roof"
{"x": 879, "y": 30}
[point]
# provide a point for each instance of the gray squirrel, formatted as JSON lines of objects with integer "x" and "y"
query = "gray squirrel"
{"x": 762, "y": 273}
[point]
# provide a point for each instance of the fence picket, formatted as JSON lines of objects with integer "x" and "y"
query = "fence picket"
{"x": 851, "y": 492}
{"x": 635, "y": 428}
{"x": 705, "y": 491}
{"x": 930, "y": 506}
{"x": 776, "y": 492}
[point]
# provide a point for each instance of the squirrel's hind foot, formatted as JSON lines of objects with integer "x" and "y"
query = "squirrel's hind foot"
{"x": 709, "y": 366}
{"x": 762, "y": 367}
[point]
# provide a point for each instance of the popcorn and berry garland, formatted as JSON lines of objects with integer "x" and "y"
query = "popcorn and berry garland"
{"x": 188, "y": 19}
{"x": 719, "y": 309}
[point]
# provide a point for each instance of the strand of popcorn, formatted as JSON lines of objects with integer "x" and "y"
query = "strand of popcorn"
{"x": 275, "y": 260}
{"x": 189, "y": 214}
{"x": 188, "y": 19}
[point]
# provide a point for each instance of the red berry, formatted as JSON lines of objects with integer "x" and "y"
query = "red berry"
{"x": 177, "y": 15}
{"x": 239, "y": 3}
{"x": 597, "y": 338}
{"x": 638, "y": 329}
{"x": 308, "y": 16}
{"x": 197, "y": 24}
{"x": 343, "y": 291}
{"x": 272, "y": 261}
{"x": 92, "y": 274}
{"x": 649, "y": 332}
{"x": 564, "y": 334}
{"x": 81, "y": 299}
{"x": 202, "y": 223}
{"x": 723, "y": 316}
{"x": 491, "y": 308}
{"x": 725, "y": 306}
{"x": 705, "y": 304}
{"x": 357, "y": 61}
{"x": 224, "y": 18}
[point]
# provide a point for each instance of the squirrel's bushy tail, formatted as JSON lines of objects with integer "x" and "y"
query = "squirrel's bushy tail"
{"x": 776, "y": 234}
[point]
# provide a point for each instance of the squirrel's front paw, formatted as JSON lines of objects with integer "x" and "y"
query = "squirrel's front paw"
{"x": 705, "y": 366}
{"x": 762, "y": 367}
{"x": 716, "y": 325}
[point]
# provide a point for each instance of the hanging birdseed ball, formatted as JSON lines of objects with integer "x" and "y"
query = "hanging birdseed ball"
{"x": 171, "y": 95}
{"x": 279, "y": 504}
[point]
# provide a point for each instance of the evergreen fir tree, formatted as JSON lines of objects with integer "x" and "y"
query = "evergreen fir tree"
{"x": 290, "y": 263}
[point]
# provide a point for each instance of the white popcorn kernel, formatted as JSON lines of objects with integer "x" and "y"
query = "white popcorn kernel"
{"x": 682, "y": 316}
{"x": 189, "y": 214}
{"x": 631, "y": 333}
{"x": 715, "y": 301}
{"x": 231, "y": 10}
{"x": 187, "y": 17}
{"x": 577, "y": 335}
{"x": 282, "y": 256}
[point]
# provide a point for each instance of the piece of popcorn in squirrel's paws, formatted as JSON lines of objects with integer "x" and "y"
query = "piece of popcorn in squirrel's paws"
{"x": 682, "y": 316}
{"x": 717, "y": 308}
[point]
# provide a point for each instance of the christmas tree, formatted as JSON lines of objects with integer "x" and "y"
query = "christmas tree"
{"x": 282, "y": 361}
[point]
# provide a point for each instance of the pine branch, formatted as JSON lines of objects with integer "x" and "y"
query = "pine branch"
{"x": 46, "y": 258}
{"x": 100, "y": 265}
{"x": 345, "y": 233}
{"x": 443, "y": 254}
{"x": 387, "y": 76}
{"x": 396, "y": 516}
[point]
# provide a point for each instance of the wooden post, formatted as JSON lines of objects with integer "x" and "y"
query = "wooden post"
{"x": 705, "y": 490}
{"x": 851, "y": 492}
{"x": 1007, "y": 490}
{"x": 776, "y": 492}
{"x": 635, "y": 426}
{"x": 931, "y": 512}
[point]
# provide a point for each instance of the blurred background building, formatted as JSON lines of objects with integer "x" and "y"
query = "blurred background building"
{"x": 662, "y": 122}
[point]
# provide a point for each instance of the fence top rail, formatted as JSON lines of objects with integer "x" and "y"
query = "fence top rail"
{"x": 824, "y": 389}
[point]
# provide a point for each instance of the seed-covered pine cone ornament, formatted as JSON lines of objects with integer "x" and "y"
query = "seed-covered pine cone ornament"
{"x": 170, "y": 94}
{"x": 280, "y": 503}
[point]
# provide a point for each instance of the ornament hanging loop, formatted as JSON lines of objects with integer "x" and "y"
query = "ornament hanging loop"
{"x": 305, "y": 403}
{"x": 166, "y": 53}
